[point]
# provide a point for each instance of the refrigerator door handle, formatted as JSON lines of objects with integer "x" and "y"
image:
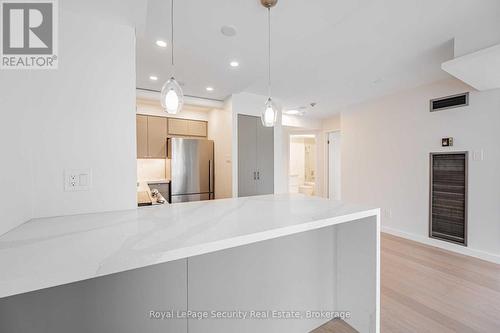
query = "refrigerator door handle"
{"x": 210, "y": 180}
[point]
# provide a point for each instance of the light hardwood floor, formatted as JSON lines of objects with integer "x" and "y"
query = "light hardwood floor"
{"x": 335, "y": 326}
{"x": 426, "y": 289}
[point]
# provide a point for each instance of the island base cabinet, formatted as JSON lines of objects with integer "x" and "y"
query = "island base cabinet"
{"x": 290, "y": 284}
{"x": 357, "y": 268}
{"x": 289, "y": 274}
{"x": 120, "y": 303}
{"x": 314, "y": 276}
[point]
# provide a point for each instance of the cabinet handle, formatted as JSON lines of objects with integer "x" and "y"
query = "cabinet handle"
{"x": 254, "y": 175}
{"x": 258, "y": 175}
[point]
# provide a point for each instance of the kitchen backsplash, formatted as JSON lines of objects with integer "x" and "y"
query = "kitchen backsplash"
{"x": 153, "y": 169}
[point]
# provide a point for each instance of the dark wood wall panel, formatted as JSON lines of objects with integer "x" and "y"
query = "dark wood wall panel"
{"x": 448, "y": 202}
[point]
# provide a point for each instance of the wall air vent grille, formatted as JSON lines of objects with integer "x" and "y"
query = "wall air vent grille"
{"x": 450, "y": 102}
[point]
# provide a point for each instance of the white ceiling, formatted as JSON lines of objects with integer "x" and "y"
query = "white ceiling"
{"x": 333, "y": 52}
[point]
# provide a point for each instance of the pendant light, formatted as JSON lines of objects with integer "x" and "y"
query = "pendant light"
{"x": 172, "y": 97}
{"x": 270, "y": 113}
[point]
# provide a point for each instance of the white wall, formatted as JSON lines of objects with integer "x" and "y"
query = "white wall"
{"x": 296, "y": 165}
{"x": 152, "y": 169}
{"x": 332, "y": 124}
{"x": 385, "y": 160}
{"x": 85, "y": 118}
{"x": 220, "y": 130}
{"x": 16, "y": 140}
{"x": 153, "y": 108}
{"x": 79, "y": 116}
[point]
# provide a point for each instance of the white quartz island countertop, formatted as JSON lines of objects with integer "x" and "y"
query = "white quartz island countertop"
{"x": 49, "y": 252}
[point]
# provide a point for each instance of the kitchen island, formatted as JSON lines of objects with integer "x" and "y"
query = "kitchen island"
{"x": 127, "y": 271}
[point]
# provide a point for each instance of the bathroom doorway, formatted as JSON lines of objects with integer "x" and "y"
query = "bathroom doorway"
{"x": 302, "y": 164}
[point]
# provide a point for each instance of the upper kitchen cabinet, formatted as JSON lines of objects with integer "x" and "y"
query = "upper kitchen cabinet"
{"x": 142, "y": 136}
{"x": 177, "y": 126}
{"x": 157, "y": 137}
{"x": 186, "y": 127}
{"x": 151, "y": 137}
{"x": 197, "y": 128}
{"x": 152, "y": 133}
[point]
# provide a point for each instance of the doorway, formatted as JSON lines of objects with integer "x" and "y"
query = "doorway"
{"x": 302, "y": 164}
{"x": 334, "y": 155}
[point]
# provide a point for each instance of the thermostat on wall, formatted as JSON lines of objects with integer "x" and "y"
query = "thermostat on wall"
{"x": 447, "y": 142}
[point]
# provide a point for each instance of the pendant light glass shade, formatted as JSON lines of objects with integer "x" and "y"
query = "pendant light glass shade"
{"x": 172, "y": 98}
{"x": 270, "y": 114}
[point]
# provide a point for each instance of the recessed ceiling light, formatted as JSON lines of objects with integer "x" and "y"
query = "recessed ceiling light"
{"x": 228, "y": 30}
{"x": 298, "y": 111}
{"x": 153, "y": 78}
{"x": 161, "y": 43}
{"x": 209, "y": 88}
{"x": 234, "y": 63}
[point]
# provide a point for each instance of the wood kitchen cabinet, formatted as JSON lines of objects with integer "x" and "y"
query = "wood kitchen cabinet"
{"x": 187, "y": 127}
{"x": 177, "y": 126}
{"x": 197, "y": 128}
{"x": 152, "y": 133}
{"x": 142, "y": 136}
{"x": 151, "y": 137}
{"x": 157, "y": 137}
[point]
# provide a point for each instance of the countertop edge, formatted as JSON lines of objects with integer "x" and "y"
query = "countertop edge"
{"x": 210, "y": 247}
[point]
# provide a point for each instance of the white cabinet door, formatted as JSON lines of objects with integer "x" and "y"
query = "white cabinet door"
{"x": 255, "y": 157}
{"x": 247, "y": 156}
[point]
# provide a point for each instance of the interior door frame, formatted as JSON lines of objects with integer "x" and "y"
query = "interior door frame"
{"x": 327, "y": 173}
{"x": 317, "y": 151}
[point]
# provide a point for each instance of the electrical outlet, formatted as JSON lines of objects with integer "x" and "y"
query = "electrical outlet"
{"x": 72, "y": 181}
{"x": 77, "y": 180}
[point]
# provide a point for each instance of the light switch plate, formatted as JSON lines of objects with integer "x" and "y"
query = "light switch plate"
{"x": 478, "y": 155}
{"x": 77, "y": 180}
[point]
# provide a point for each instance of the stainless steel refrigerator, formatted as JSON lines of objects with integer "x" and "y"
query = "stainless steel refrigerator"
{"x": 192, "y": 169}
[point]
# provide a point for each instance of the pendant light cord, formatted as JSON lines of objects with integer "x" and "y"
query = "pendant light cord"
{"x": 172, "y": 31}
{"x": 269, "y": 49}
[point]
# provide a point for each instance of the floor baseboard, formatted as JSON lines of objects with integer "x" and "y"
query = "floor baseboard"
{"x": 444, "y": 245}
{"x": 335, "y": 326}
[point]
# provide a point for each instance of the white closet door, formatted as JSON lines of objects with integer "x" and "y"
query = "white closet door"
{"x": 247, "y": 156}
